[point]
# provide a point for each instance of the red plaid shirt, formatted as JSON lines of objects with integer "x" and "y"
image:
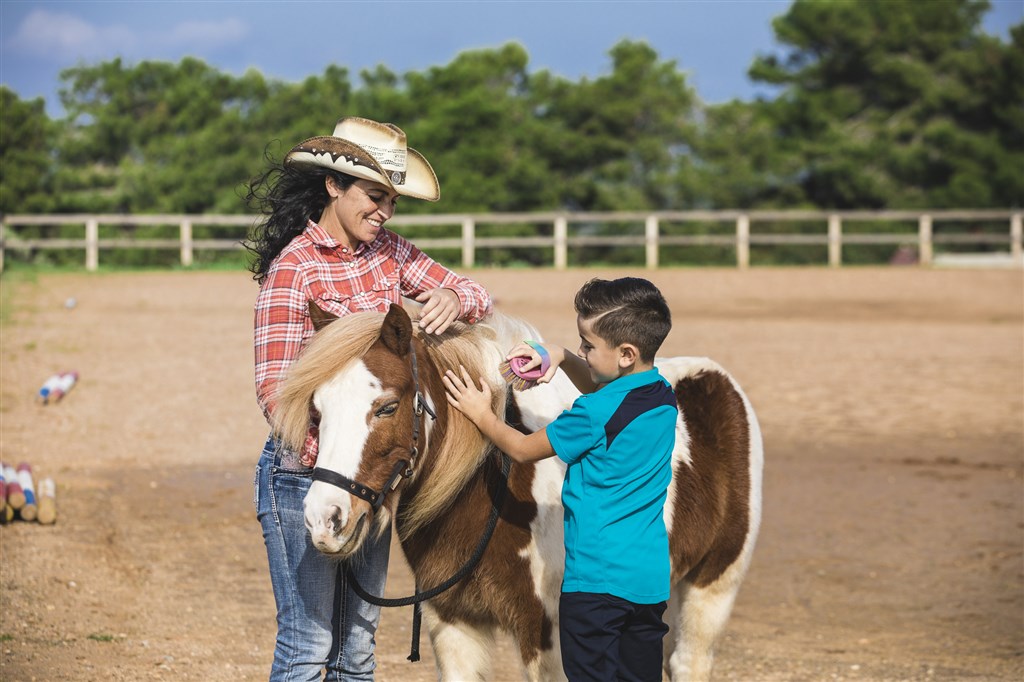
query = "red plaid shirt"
{"x": 314, "y": 266}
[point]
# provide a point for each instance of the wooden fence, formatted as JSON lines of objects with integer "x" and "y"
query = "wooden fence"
{"x": 567, "y": 231}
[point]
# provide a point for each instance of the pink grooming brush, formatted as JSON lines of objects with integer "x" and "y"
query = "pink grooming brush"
{"x": 512, "y": 370}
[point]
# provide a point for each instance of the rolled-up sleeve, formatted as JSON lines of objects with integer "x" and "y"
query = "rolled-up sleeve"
{"x": 280, "y": 325}
{"x": 421, "y": 273}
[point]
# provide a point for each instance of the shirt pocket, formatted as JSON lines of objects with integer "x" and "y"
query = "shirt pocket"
{"x": 386, "y": 276}
{"x": 388, "y": 285}
{"x": 383, "y": 292}
{"x": 336, "y": 304}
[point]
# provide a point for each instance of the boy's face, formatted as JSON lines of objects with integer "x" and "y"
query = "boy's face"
{"x": 602, "y": 359}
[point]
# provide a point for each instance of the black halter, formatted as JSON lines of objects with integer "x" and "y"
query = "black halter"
{"x": 403, "y": 468}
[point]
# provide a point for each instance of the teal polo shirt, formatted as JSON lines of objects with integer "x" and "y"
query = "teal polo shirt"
{"x": 617, "y": 443}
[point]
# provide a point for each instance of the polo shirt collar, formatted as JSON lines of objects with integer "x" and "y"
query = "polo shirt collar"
{"x": 631, "y": 381}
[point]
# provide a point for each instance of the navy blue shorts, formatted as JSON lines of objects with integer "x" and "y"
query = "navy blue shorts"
{"x": 606, "y": 638}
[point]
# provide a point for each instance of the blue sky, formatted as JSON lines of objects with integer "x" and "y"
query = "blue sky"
{"x": 713, "y": 41}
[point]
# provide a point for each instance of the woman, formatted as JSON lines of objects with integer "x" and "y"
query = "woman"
{"x": 324, "y": 240}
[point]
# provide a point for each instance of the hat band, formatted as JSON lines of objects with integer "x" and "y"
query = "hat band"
{"x": 389, "y": 158}
{"x": 396, "y": 177}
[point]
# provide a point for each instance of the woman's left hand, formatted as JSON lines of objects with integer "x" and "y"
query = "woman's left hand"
{"x": 441, "y": 307}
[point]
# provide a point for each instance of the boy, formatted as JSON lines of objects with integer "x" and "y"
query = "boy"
{"x": 617, "y": 442}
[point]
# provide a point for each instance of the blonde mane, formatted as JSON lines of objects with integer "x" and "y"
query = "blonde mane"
{"x": 480, "y": 348}
{"x": 329, "y": 351}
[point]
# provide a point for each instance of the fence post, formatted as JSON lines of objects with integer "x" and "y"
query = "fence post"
{"x": 1016, "y": 234}
{"x": 651, "y": 242}
{"x": 186, "y": 243}
{"x": 835, "y": 241}
{"x": 561, "y": 243}
{"x": 743, "y": 242}
{"x": 468, "y": 242}
{"x": 924, "y": 240}
{"x": 92, "y": 244}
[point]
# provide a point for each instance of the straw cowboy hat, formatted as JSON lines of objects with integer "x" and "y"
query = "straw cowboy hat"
{"x": 372, "y": 151}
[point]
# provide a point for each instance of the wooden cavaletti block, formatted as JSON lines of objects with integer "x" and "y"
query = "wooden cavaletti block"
{"x": 47, "y": 502}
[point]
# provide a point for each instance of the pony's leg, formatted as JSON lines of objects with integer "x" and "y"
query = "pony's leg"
{"x": 699, "y": 617}
{"x": 546, "y": 666}
{"x": 674, "y": 634}
{"x": 462, "y": 651}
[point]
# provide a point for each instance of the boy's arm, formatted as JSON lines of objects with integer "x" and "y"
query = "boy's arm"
{"x": 573, "y": 365}
{"x": 576, "y": 369}
{"x": 476, "y": 405}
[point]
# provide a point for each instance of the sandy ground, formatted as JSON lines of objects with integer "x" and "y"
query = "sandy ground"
{"x": 891, "y": 402}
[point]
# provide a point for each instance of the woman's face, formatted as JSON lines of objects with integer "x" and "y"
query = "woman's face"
{"x": 357, "y": 214}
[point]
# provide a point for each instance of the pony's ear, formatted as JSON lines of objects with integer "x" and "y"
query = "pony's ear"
{"x": 396, "y": 333}
{"x": 320, "y": 317}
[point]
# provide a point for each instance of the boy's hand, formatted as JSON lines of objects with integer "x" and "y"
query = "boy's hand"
{"x": 464, "y": 396}
{"x": 556, "y": 354}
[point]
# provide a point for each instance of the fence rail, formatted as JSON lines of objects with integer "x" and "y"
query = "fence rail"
{"x": 561, "y": 240}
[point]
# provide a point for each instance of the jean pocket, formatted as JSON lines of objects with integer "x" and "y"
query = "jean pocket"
{"x": 287, "y": 491}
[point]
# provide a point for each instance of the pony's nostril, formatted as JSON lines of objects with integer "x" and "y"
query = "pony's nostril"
{"x": 334, "y": 519}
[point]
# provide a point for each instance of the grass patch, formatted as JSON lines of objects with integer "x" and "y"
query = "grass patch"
{"x": 101, "y": 637}
{"x": 14, "y": 285}
{"x": 6, "y": 638}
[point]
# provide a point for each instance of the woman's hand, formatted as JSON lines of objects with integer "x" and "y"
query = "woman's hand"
{"x": 465, "y": 397}
{"x": 441, "y": 307}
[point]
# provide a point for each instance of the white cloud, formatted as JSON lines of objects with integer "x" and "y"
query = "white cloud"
{"x": 206, "y": 34}
{"x": 61, "y": 37}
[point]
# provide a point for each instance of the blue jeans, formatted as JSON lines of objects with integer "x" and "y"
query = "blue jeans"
{"x": 321, "y": 622}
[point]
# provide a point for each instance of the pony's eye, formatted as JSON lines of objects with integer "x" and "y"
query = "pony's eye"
{"x": 386, "y": 410}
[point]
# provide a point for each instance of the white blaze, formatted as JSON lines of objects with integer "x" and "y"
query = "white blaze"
{"x": 343, "y": 403}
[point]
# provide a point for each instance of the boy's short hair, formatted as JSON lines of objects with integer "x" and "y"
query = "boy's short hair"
{"x": 628, "y": 310}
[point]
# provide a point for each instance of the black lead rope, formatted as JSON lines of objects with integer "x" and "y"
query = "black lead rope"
{"x": 467, "y": 568}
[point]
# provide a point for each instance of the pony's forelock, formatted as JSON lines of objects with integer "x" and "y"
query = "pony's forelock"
{"x": 329, "y": 351}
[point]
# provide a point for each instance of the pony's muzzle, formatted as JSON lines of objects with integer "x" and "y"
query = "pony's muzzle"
{"x": 336, "y": 526}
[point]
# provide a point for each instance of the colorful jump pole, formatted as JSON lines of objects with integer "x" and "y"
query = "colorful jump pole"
{"x": 47, "y": 388}
{"x": 15, "y": 495}
{"x": 57, "y": 386}
{"x": 28, "y": 510}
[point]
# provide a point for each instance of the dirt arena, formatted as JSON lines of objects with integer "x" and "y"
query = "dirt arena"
{"x": 891, "y": 399}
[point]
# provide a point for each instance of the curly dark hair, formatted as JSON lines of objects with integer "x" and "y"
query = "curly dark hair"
{"x": 288, "y": 196}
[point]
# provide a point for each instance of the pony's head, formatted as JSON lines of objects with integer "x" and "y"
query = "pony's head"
{"x": 376, "y": 385}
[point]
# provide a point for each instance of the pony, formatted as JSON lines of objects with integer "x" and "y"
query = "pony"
{"x": 392, "y": 450}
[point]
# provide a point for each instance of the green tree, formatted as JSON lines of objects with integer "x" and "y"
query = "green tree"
{"x": 26, "y": 155}
{"x": 896, "y": 104}
{"x": 474, "y": 120}
{"x": 618, "y": 142}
